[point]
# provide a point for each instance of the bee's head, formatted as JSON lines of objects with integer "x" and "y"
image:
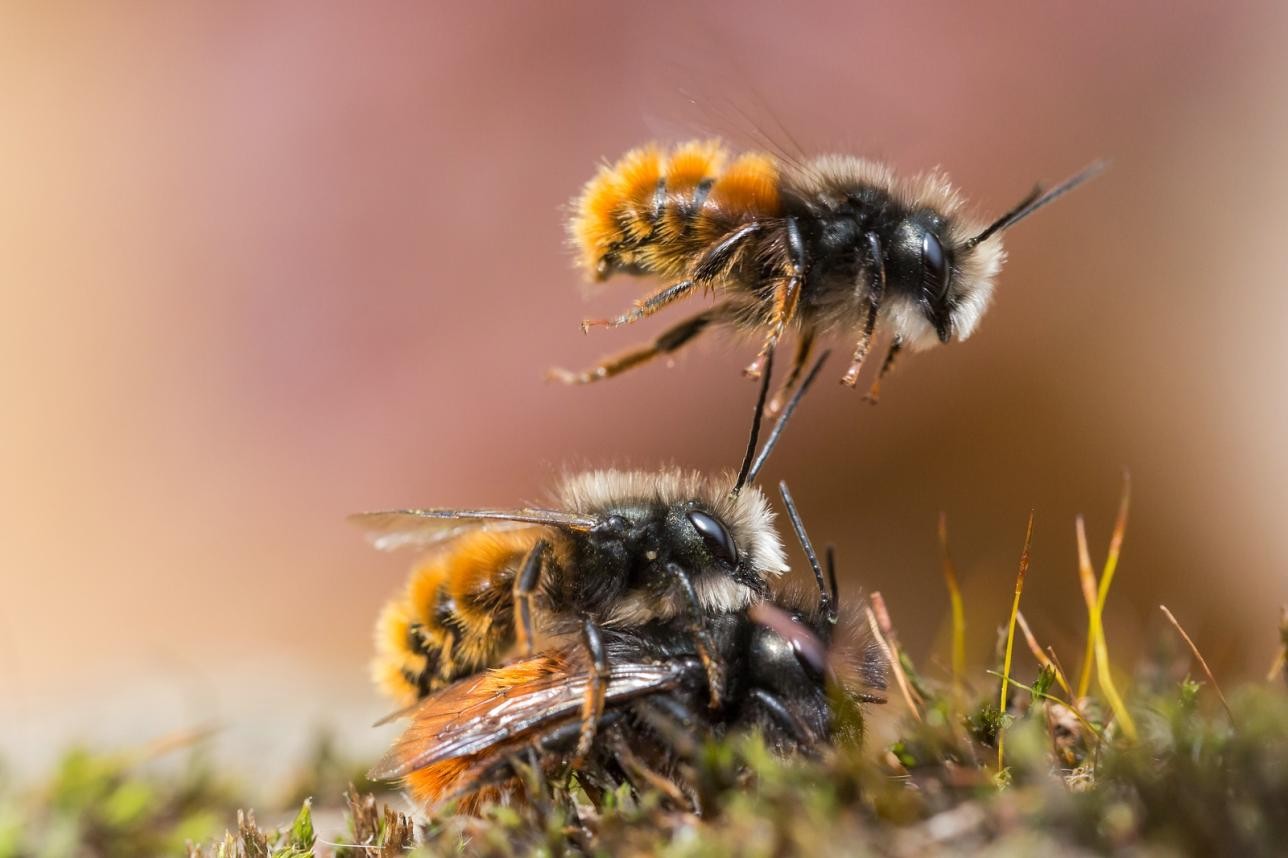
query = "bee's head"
{"x": 940, "y": 269}
{"x": 938, "y": 282}
{"x": 726, "y": 544}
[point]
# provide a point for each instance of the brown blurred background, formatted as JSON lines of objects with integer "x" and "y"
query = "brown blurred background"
{"x": 265, "y": 266}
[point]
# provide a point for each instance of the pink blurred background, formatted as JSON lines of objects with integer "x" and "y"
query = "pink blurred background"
{"x": 268, "y": 265}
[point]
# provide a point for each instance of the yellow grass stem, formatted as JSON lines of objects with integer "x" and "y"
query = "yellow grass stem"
{"x": 1010, "y": 635}
{"x": 1096, "y": 633}
{"x": 1202, "y": 661}
{"x": 1087, "y": 578}
{"x": 956, "y": 604}
{"x": 1106, "y": 576}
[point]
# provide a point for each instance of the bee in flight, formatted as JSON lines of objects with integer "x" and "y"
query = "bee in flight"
{"x": 783, "y": 669}
{"x": 835, "y": 244}
{"x": 618, "y": 550}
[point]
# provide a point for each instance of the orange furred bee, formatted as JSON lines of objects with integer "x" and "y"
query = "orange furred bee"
{"x": 785, "y": 664}
{"x": 834, "y": 244}
{"x": 613, "y": 549}
{"x": 616, "y": 550}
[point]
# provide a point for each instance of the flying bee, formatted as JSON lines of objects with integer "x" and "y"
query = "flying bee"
{"x": 617, "y": 550}
{"x": 785, "y": 664}
{"x": 836, "y": 244}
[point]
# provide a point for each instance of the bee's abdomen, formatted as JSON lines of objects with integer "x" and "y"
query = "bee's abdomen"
{"x": 657, "y": 211}
{"x": 455, "y": 617}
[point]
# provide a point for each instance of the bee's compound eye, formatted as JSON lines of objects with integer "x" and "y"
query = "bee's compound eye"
{"x": 715, "y": 535}
{"x": 935, "y": 262}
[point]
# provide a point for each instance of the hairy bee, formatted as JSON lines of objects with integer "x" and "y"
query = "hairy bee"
{"x": 784, "y": 665}
{"x": 834, "y": 244}
{"x": 617, "y": 550}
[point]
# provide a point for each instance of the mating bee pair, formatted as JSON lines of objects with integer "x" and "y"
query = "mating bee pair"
{"x": 649, "y": 595}
{"x": 665, "y": 577}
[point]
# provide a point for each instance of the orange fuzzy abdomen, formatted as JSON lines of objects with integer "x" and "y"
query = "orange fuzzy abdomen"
{"x": 657, "y": 211}
{"x": 455, "y": 617}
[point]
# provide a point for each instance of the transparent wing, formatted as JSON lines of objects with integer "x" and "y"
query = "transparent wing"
{"x": 483, "y": 712}
{"x": 422, "y": 528}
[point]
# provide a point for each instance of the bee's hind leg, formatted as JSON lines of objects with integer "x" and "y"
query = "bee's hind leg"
{"x": 671, "y": 340}
{"x": 644, "y": 307}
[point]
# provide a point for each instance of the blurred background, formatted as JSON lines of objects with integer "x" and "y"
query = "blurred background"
{"x": 264, "y": 266}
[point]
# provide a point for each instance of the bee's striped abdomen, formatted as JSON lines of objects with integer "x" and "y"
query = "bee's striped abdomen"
{"x": 657, "y": 212}
{"x": 454, "y": 619}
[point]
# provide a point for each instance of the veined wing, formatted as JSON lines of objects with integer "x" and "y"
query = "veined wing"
{"x": 423, "y": 528}
{"x": 494, "y": 708}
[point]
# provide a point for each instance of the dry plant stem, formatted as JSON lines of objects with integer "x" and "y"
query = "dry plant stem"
{"x": 955, "y": 602}
{"x": 1277, "y": 667}
{"x": 1010, "y": 634}
{"x": 1042, "y": 657}
{"x": 1096, "y": 633}
{"x": 1202, "y": 661}
{"x": 895, "y": 667}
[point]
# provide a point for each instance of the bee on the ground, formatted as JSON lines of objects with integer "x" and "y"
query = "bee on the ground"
{"x": 786, "y": 671}
{"x": 834, "y": 244}
{"x": 617, "y": 550}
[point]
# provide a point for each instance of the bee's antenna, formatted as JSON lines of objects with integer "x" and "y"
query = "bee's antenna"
{"x": 777, "y": 432}
{"x": 830, "y": 554}
{"x": 825, "y": 601}
{"x": 745, "y": 471}
{"x": 1036, "y": 200}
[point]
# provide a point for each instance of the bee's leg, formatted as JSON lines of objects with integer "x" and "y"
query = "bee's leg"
{"x": 640, "y": 774}
{"x": 714, "y": 263}
{"x": 670, "y": 340}
{"x": 874, "y": 392}
{"x": 786, "y": 297}
{"x": 701, "y": 640}
{"x": 524, "y": 583}
{"x": 672, "y": 721}
{"x": 876, "y": 294}
{"x": 786, "y": 718}
{"x": 804, "y": 347}
{"x": 592, "y": 707}
{"x": 643, "y": 307}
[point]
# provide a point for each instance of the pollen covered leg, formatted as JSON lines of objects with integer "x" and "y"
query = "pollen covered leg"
{"x": 592, "y": 708}
{"x": 786, "y": 297}
{"x": 876, "y": 294}
{"x": 644, "y": 307}
{"x": 670, "y": 340}
{"x": 874, "y": 393}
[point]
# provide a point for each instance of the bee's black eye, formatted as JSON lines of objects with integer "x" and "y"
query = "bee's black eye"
{"x": 715, "y": 535}
{"x": 935, "y": 263}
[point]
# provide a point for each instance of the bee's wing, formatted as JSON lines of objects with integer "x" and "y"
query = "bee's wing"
{"x": 483, "y": 712}
{"x": 422, "y": 528}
